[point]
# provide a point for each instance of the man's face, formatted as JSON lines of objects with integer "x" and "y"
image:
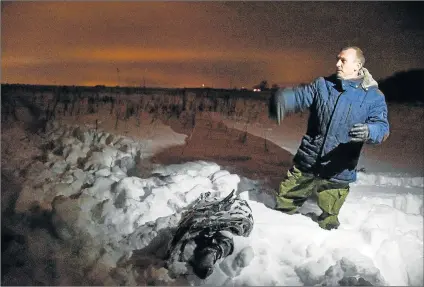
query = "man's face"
{"x": 347, "y": 64}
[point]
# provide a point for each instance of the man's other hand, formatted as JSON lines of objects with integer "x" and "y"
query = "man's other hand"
{"x": 359, "y": 132}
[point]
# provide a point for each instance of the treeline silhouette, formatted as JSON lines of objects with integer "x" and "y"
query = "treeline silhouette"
{"x": 404, "y": 87}
{"x": 401, "y": 87}
{"x": 122, "y": 103}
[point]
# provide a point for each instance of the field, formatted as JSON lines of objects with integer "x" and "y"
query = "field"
{"x": 230, "y": 128}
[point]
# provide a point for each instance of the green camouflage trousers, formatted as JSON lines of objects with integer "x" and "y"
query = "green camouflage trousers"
{"x": 296, "y": 189}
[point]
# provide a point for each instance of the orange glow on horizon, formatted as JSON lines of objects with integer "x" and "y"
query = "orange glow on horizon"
{"x": 177, "y": 44}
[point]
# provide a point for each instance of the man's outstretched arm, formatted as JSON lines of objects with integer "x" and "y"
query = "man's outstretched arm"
{"x": 291, "y": 100}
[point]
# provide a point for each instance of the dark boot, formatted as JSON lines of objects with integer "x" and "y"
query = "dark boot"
{"x": 328, "y": 221}
{"x": 209, "y": 251}
{"x": 204, "y": 261}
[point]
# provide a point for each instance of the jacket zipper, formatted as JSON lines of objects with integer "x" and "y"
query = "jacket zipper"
{"x": 348, "y": 113}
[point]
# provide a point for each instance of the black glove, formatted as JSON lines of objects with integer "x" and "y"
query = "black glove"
{"x": 312, "y": 146}
{"x": 359, "y": 132}
{"x": 276, "y": 106}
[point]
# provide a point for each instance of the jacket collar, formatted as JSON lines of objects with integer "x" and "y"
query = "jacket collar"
{"x": 364, "y": 80}
{"x": 368, "y": 80}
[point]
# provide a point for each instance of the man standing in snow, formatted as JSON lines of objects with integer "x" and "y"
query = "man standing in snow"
{"x": 346, "y": 110}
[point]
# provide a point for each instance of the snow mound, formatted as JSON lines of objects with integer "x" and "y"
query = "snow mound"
{"x": 97, "y": 199}
{"x": 389, "y": 180}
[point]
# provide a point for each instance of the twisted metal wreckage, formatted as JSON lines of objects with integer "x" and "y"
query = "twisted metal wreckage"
{"x": 205, "y": 232}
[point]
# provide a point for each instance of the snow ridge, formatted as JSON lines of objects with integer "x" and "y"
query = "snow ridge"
{"x": 91, "y": 178}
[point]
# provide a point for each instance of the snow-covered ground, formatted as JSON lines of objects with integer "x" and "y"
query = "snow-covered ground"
{"x": 115, "y": 213}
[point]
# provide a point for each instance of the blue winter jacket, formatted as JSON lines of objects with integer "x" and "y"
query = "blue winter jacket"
{"x": 335, "y": 106}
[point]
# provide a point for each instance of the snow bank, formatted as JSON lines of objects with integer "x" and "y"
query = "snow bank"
{"x": 380, "y": 240}
{"x": 386, "y": 179}
{"x": 86, "y": 177}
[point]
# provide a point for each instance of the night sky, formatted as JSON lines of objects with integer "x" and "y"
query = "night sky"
{"x": 187, "y": 44}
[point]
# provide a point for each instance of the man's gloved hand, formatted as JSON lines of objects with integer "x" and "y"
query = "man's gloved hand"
{"x": 359, "y": 132}
{"x": 276, "y": 106}
{"x": 312, "y": 147}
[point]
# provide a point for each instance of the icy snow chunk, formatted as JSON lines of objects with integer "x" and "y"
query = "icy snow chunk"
{"x": 115, "y": 178}
{"x": 89, "y": 179}
{"x": 130, "y": 148}
{"x": 408, "y": 203}
{"x": 120, "y": 155}
{"x": 104, "y": 172}
{"x": 136, "y": 201}
{"x": 106, "y": 157}
{"x": 389, "y": 260}
{"x": 244, "y": 257}
{"x": 226, "y": 183}
{"x": 101, "y": 138}
{"x": 123, "y": 144}
{"x": 121, "y": 222}
{"x": 77, "y": 151}
{"x": 374, "y": 236}
{"x": 218, "y": 174}
{"x": 391, "y": 220}
{"x": 63, "y": 189}
{"x": 312, "y": 272}
{"x": 131, "y": 188}
{"x": 88, "y": 137}
{"x": 66, "y": 150}
{"x": 195, "y": 192}
{"x": 160, "y": 229}
{"x": 67, "y": 178}
{"x": 347, "y": 271}
{"x": 126, "y": 163}
{"x": 69, "y": 189}
{"x": 179, "y": 178}
{"x": 197, "y": 168}
{"x": 60, "y": 167}
{"x": 185, "y": 183}
{"x": 385, "y": 180}
{"x": 410, "y": 247}
{"x": 117, "y": 174}
{"x": 100, "y": 189}
{"x": 78, "y": 174}
{"x": 92, "y": 168}
{"x": 244, "y": 195}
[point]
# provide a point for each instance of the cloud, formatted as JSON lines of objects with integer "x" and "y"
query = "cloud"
{"x": 288, "y": 42}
